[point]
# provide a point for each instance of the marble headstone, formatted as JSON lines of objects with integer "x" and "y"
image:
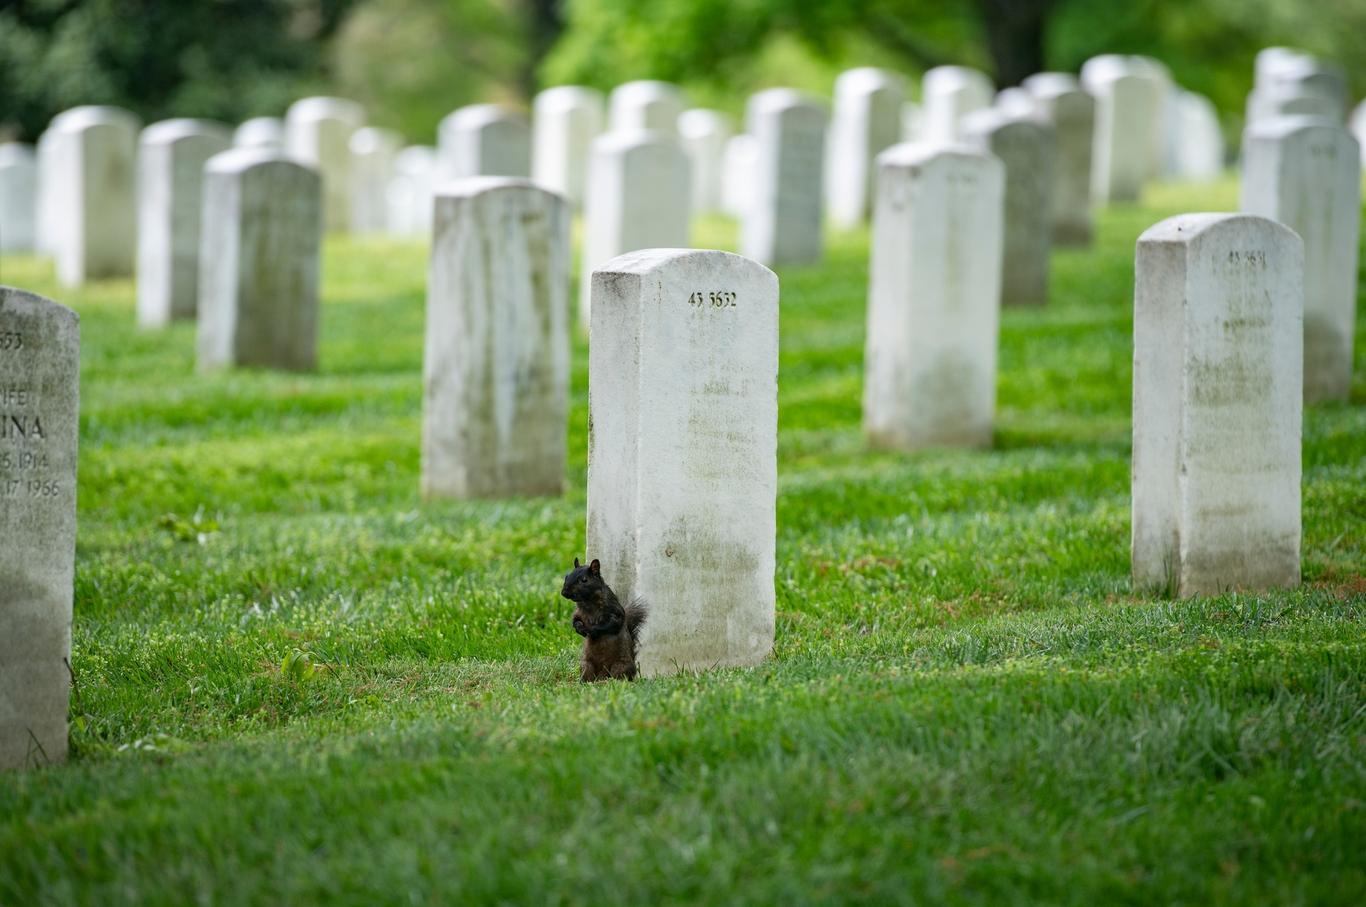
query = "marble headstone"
{"x": 647, "y": 104}
{"x": 373, "y": 156}
{"x": 18, "y": 197}
{"x": 704, "y": 134}
{"x": 496, "y": 368}
{"x": 94, "y": 213}
{"x": 39, "y": 399}
{"x": 948, "y": 94}
{"x": 1072, "y": 111}
{"x": 782, "y": 223}
{"x": 639, "y": 197}
{"x": 737, "y": 178}
{"x": 1198, "y": 144}
{"x": 564, "y": 122}
{"x": 1028, "y": 148}
{"x": 866, "y": 120}
{"x": 259, "y": 262}
{"x": 1306, "y": 174}
{"x": 260, "y": 132}
{"x": 318, "y": 133}
{"x": 682, "y": 451}
{"x": 171, "y": 158}
{"x": 1125, "y": 104}
{"x": 484, "y": 140}
{"x": 934, "y": 300}
{"x": 410, "y": 191}
{"x": 1218, "y": 314}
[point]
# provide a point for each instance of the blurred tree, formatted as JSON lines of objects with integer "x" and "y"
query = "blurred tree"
{"x": 225, "y": 59}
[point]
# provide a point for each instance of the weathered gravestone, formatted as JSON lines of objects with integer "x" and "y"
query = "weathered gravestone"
{"x": 410, "y": 191}
{"x": 1028, "y": 148}
{"x": 682, "y": 456}
{"x": 484, "y": 140}
{"x": 646, "y": 104}
{"x": 1218, "y": 319}
{"x": 782, "y": 223}
{"x": 1305, "y": 173}
{"x": 373, "y": 155}
{"x": 171, "y": 158}
{"x": 496, "y": 388}
{"x": 260, "y": 132}
{"x": 1198, "y": 142}
{"x": 935, "y": 297}
{"x": 318, "y": 133}
{"x": 1125, "y": 105}
{"x": 866, "y": 119}
{"x": 1072, "y": 111}
{"x": 704, "y": 134}
{"x": 18, "y": 198}
{"x": 639, "y": 197}
{"x": 39, "y": 378}
{"x": 564, "y": 122}
{"x": 737, "y": 179}
{"x": 94, "y": 213}
{"x": 948, "y": 94}
{"x": 259, "y": 260}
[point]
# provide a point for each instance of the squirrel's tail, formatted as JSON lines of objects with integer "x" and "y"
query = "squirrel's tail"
{"x": 636, "y": 612}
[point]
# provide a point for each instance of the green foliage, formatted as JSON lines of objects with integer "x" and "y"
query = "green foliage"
{"x": 345, "y": 695}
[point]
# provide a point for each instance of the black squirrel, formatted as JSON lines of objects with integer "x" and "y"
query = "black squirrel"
{"x": 609, "y": 631}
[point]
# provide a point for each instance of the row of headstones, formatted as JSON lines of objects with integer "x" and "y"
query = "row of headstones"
{"x": 682, "y": 474}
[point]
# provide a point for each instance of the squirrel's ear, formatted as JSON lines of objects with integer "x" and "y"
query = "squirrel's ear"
{"x": 576, "y": 563}
{"x": 595, "y": 567}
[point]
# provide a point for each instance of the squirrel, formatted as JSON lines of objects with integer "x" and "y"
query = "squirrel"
{"x": 609, "y": 631}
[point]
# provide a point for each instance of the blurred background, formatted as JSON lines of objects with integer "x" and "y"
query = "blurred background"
{"x": 410, "y": 62}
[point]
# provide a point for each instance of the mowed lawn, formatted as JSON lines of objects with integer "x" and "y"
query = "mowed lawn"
{"x": 298, "y": 683}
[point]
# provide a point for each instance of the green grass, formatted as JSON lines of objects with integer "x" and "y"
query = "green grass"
{"x": 966, "y": 703}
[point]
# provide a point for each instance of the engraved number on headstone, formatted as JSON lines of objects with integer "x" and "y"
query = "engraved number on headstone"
{"x": 724, "y": 299}
{"x": 1255, "y": 258}
{"x": 11, "y": 340}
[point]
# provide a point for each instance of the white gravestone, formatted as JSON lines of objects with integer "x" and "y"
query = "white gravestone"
{"x": 1017, "y": 101}
{"x": 1199, "y": 145}
{"x": 410, "y": 191}
{"x": 318, "y": 133}
{"x": 639, "y": 197}
{"x": 171, "y": 158}
{"x": 782, "y": 223}
{"x": 1305, "y": 173}
{"x": 1218, "y": 309}
{"x": 1298, "y": 84}
{"x": 496, "y": 386}
{"x": 866, "y": 120}
{"x": 1072, "y": 111}
{"x": 18, "y": 198}
{"x": 564, "y": 122}
{"x": 646, "y": 104}
{"x": 39, "y": 377}
{"x": 934, "y": 300}
{"x": 947, "y": 95}
{"x": 704, "y": 134}
{"x": 1119, "y": 162}
{"x": 259, "y": 262}
{"x": 1028, "y": 148}
{"x": 94, "y": 214}
{"x": 45, "y": 230}
{"x": 737, "y": 179}
{"x": 682, "y": 451}
{"x": 373, "y": 154}
{"x": 260, "y": 132}
{"x": 484, "y": 140}
{"x": 912, "y": 122}
{"x": 1144, "y": 123}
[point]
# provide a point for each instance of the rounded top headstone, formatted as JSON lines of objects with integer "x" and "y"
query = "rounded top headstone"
{"x": 620, "y": 140}
{"x": 167, "y": 132}
{"x": 1051, "y": 84}
{"x": 476, "y": 116}
{"x": 1016, "y": 102}
{"x": 95, "y": 115}
{"x": 371, "y": 139}
{"x": 865, "y": 79}
{"x": 919, "y": 154}
{"x": 565, "y": 97}
{"x": 645, "y": 261}
{"x": 325, "y": 108}
{"x": 259, "y": 131}
{"x": 240, "y": 160}
{"x": 950, "y": 78}
{"x": 1186, "y": 228}
{"x": 415, "y": 159}
{"x": 699, "y": 122}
